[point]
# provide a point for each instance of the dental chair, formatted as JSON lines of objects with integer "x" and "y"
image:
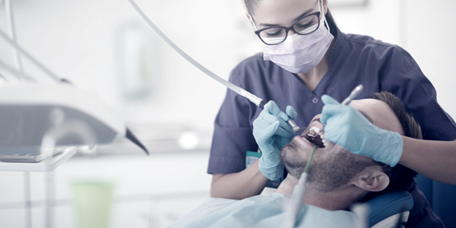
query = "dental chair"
{"x": 442, "y": 198}
{"x": 385, "y": 210}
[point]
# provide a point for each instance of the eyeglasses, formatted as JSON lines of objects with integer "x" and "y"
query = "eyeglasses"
{"x": 278, "y": 34}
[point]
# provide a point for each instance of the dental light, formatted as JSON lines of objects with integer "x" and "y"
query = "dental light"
{"x": 31, "y": 112}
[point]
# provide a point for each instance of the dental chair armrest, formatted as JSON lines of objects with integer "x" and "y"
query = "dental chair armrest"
{"x": 386, "y": 205}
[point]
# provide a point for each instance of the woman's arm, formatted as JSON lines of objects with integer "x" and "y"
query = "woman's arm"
{"x": 246, "y": 183}
{"x": 433, "y": 159}
{"x": 272, "y": 133}
{"x": 350, "y": 129}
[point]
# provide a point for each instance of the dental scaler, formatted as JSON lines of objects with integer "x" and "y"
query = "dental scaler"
{"x": 254, "y": 99}
{"x": 354, "y": 93}
{"x": 299, "y": 190}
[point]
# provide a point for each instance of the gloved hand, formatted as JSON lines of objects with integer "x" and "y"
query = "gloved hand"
{"x": 347, "y": 127}
{"x": 272, "y": 132}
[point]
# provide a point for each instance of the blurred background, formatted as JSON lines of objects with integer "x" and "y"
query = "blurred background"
{"x": 103, "y": 46}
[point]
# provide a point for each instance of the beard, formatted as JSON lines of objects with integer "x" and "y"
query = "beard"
{"x": 324, "y": 175}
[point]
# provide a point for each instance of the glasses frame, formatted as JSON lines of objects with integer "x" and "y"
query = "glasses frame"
{"x": 257, "y": 32}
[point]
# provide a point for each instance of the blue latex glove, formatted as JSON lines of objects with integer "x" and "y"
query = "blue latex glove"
{"x": 347, "y": 127}
{"x": 272, "y": 132}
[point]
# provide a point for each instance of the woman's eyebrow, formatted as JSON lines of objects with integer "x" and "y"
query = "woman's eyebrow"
{"x": 297, "y": 19}
{"x": 303, "y": 15}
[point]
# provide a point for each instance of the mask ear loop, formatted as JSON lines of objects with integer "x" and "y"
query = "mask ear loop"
{"x": 249, "y": 16}
{"x": 324, "y": 16}
{"x": 253, "y": 22}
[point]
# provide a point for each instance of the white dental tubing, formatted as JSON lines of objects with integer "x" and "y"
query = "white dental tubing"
{"x": 254, "y": 99}
{"x": 298, "y": 194}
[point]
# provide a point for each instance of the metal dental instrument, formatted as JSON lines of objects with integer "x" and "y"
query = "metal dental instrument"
{"x": 299, "y": 190}
{"x": 254, "y": 99}
{"x": 354, "y": 93}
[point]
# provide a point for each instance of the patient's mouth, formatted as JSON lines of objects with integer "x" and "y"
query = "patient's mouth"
{"x": 313, "y": 136}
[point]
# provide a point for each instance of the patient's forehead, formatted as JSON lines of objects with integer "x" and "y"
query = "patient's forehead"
{"x": 379, "y": 113}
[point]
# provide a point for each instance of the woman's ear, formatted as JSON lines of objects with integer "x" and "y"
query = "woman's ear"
{"x": 325, "y": 6}
{"x": 372, "y": 179}
{"x": 250, "y": 19}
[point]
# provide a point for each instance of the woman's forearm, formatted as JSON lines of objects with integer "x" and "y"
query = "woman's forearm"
{"x": 433, "y": 159}
{"x": 246, "y": 183}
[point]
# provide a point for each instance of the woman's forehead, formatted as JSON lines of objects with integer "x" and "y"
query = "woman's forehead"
{"x": 282, "y": 12}
{"x": 379, "y": 113}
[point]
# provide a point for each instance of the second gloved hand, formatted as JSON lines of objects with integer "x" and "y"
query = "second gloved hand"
{"x": 347, "y": 127}
{"x": 272, "y": 132}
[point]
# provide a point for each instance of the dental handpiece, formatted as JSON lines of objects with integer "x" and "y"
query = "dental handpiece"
{"x": 254, "y": 99}
{"x": 290, "y": 121}
{"x": 295, "y": 127}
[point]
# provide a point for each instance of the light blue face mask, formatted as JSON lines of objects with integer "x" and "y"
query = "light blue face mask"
{"x": 301, "y": 53}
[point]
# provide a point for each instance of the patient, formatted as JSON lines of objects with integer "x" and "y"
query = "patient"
{"x": 337, "y": 179}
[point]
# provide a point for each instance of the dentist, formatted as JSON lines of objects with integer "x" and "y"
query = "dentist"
{"x": 306, "y": 56}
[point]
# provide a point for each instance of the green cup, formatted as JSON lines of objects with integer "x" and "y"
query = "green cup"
{"x": 92, "y": 203}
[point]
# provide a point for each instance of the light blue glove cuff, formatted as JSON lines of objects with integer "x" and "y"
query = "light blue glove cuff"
{"x": 271, "y": 170}
{"x": 392, "y": 149}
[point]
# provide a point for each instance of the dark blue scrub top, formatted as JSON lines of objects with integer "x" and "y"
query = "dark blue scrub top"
{"x": 354, "y": 60}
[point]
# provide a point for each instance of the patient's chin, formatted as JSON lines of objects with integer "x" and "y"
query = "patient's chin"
{"x": 289, "y": 150}
{"x": 293, "y": 160}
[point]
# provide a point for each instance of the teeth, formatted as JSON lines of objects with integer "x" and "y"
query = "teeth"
{"x": 313, "y": 131}
{"x": 322, "y": 136}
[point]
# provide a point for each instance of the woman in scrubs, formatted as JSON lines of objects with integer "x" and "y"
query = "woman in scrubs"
{"x": 305, "y": 56}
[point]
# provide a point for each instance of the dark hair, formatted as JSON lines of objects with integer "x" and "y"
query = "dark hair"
{"x": 251, "y": 5}
{"x": 400, "y": 176}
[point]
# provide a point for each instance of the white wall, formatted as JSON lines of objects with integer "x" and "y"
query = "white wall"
{"x": 379, "y": 19}
{"x": 76, "y": 39}
{"x": 430, "y": 38}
